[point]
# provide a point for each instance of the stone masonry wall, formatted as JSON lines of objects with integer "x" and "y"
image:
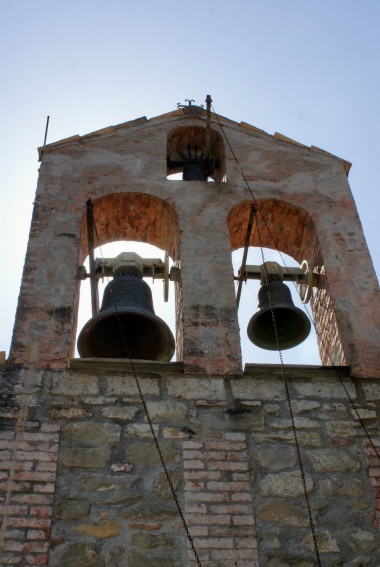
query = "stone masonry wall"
{"x": 229, "y": 448}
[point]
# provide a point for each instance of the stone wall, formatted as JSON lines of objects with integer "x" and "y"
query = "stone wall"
{"x": 228, "y": 445}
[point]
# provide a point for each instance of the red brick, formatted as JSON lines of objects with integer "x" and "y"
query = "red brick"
{"x": 193, "y": 465}
{"x": 32, "y": 498}
{"x": 374, "y": 472}
{"x": 35, "y": 455}
{"x": 39, "y": 437}
{"x": 36, "y": 547}
{"x": 12, "y": 559}
{"x": 228, "y": 486}
{"x": 7, "y": 435}
{"x": 36, "y": 559}
{"x": 208, "y": 520}
{"x": 245, "y": 543}
{"x": 50, "y": 467}
{"x": 50, "y": 427}
{"x": 192, "y": 445}
{"x": 41, "y": 511}
{"x": 243, "y": 520}
{"x": 16, "y": 487}
{"x": 231, "y": 509}
{"x": 196, "y": 509}
{"x": 47, "y": 487}
{"x": 228, "y": 466}
{"x": 206, "y": 497}
{"x": 235, "y": 436}
{"x": 13, "y": 510}
{"x": 224, "y": 446}
{"x": 37, "y": 523}
{"x": 198, "y": 531}
{"x": 5, "y": 456}
{"x": 34, "y": 476}
{"x": 202, "y": 475}
{"x": 213, "y": 543}
{"x": 237, "y": 456}
{"x": 37, "y": 534}
{"x": 241, "y": 497}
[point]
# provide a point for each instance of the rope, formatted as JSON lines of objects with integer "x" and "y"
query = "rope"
{"x": 285, "y": 381}
{"x": 172, "y": 489}
{"x": 290, "y": 408}
{"x": 325, "y": 348}
{"x": 155, "y": 439}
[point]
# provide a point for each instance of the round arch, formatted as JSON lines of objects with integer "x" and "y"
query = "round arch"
{"x": 138, "y": 217}
{"x": 134, "y": 216}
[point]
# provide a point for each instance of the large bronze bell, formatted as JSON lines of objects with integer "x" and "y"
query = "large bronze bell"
{"x": 126, "y": 325}
{"x": 293, "y": 326}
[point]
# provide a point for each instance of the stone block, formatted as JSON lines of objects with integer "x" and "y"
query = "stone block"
{"x": 80, "y": 555}
{"x": 126, "y": 386}
{"x": 120, "y": 413}
{"x": 285, "y": 484}
{"x": 85, "y": 458}
{"x": 92, "y": 434}
{"x": 167, "y": 411}
{"x": 70, "y": 384}
{"x": 333, "y": 461}
{"x": 72, "y": 509}
{"x": 281, "y": 514}
{"x": 210, "y": 389}
{"x": 105, "y": 529}
{"x": 322, "y": 389}
{"x": 256, "y": 389}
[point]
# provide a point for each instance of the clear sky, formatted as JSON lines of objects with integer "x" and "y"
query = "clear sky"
{"x": 309, "y": 70}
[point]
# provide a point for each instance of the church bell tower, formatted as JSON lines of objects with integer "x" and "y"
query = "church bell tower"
{"x": 122, "y": 456}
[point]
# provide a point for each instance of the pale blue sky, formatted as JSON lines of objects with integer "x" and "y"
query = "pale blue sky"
{"x": 309, "y": 70}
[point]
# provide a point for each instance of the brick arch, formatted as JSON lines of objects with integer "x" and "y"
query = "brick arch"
{"x": 134, "y": 216}
{"x": 283, "y": 226}
{"x": 279, "y": 225}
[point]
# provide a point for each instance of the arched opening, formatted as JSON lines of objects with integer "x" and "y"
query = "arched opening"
{"x": 289, "y": 229}
{"x": 163, "y": 309}
{"x": 141, "y": 224}
{"x": 191, "y": 147}
{"x": 305, "y": 353}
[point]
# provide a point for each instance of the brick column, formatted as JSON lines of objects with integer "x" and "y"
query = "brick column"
{"x": 28, "y": 463}
{"x": 374, "y": 473}
{"x": 218, "y": 501}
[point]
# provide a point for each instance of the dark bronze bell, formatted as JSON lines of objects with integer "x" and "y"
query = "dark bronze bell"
{"x": 126, "y": 325}
{"x": 293, "y": 326}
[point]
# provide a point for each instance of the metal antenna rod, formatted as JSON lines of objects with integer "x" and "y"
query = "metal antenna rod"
{"x": 46, "y": 129}
{"x": 208, "y": 128}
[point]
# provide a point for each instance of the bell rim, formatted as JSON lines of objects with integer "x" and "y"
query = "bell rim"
{"x": 281, "y": 305}
{"x": 148, "y": 315}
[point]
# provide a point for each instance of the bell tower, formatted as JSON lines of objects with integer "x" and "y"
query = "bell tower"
{"x": 123, "y": 457}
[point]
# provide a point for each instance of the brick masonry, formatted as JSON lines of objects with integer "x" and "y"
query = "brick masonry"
{"x": 373, "y": 457}
{"x": 305, "y": 208}
{"x": 218, "y": 501}
{"x": 28, "y": 464}
{"x": 81, "y": 483}
{"x": 229, "y": 448}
